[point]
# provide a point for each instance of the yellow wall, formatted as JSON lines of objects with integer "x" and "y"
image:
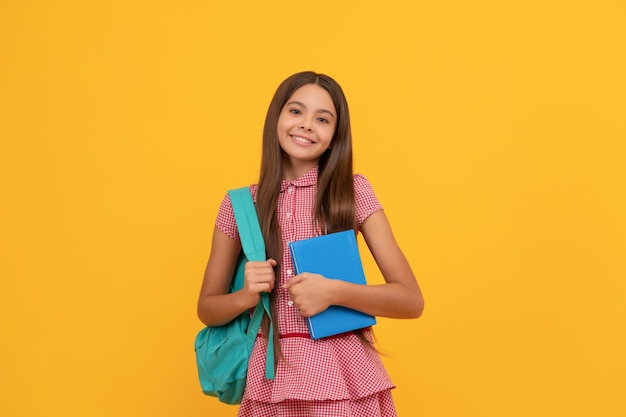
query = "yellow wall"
{"x": 493, "y": 132}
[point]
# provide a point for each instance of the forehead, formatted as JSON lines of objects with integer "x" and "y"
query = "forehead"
{"x": 313, "y": 97}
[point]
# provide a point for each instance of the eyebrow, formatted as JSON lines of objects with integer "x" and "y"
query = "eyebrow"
{"x": 302, "y": 105}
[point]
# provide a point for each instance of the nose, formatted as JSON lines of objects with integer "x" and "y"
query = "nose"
{"x": 306, "y": 122}
{"x": 306, "y": 126}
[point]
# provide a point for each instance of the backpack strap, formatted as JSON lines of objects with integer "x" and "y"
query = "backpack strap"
{"x": 254, "y": 249}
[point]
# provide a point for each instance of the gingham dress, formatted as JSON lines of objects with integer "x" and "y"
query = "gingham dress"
{"x": 335, "y": 376}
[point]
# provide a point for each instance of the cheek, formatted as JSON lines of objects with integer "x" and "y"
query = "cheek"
{"x": 281, "y": 129}
{"x": 282, "y": 121}
{"x": 330, "y": 133}
{"x": 279, "y": 124}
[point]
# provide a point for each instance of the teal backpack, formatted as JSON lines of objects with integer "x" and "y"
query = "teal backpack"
{"x": 222, "y": 352}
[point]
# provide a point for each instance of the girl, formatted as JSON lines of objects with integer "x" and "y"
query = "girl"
{"x": 307, "y": 188}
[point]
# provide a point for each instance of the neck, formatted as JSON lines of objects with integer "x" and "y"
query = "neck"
{"x": 291, "y": 170}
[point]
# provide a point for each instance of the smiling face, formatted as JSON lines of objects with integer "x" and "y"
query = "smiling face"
{"x": 305, "y": 129}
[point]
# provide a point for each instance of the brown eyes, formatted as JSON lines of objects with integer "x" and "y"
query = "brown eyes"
{"x": 298, "y": 112}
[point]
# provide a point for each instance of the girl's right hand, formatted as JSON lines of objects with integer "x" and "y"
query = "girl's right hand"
{"x": 258, "y": 277}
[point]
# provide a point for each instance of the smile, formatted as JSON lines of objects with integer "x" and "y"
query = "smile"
{"x": 302, "y": 140}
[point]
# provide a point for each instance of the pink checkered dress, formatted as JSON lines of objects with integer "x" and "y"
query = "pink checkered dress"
{"x": 336, "y": 376}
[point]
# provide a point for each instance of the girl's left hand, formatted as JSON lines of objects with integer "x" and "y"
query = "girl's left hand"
{"x": 310, "y": 293}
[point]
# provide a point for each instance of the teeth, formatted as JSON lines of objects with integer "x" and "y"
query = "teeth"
{"x": 301, "y": 140}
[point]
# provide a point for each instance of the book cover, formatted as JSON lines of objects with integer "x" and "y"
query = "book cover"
{"x": 335, "y": 256}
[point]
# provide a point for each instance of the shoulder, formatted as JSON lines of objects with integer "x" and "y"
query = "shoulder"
{"x": 361, "y": 182}
{"x": 363, "y": 189}
{"x": 226, "y": 199}
{"x": 253, "y": 189}
{"x": 365, "y": 199}
{"x": 226, "y": 217}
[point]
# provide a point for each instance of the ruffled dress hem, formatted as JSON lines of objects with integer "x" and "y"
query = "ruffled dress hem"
{"x": 339, "y": 376}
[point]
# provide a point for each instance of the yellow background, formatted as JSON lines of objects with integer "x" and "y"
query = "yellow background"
{"x": 492, "y": 131}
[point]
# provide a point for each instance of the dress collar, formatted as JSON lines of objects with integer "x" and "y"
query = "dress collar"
{"x": 308, "y": 179}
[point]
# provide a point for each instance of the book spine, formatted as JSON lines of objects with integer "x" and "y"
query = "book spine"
{"x": 294, "y": 260}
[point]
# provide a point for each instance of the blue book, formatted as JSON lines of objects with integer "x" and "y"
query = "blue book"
{"x": 335, "y": 256}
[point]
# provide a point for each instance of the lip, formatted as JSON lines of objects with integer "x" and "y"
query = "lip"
{"x": 294, "y": 138}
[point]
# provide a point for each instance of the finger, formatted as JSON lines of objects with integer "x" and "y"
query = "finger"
{"x": 259, "y": 267}
{"x": 294, "y": 281}
{"x": 260, "y": 282}
{"x": 254, "y": 266}
{"x": 262, "y": 287}
{"x": 262, "y": 277}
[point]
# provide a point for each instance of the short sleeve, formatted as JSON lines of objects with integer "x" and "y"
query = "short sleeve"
{"x": 226, "y": 216}
{"x": 226, "y": 219}
{"x": 366, "y": 201}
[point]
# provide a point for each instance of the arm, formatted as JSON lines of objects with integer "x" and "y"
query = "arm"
{"x": 216, "y": 305}
{"x": 400, "y": 297}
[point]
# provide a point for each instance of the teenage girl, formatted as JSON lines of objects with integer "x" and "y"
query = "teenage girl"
{"x": 307, "y": 188}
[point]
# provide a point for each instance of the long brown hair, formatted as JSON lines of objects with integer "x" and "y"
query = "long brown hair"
{"x": 334, "y": 203}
